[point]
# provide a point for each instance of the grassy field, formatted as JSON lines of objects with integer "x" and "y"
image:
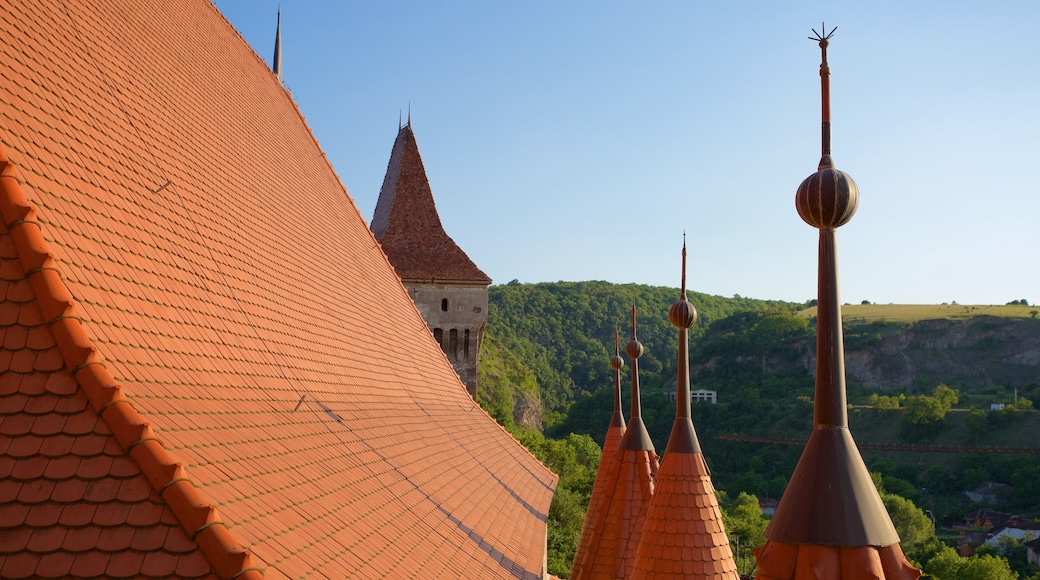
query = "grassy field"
{"x": 915, "y": 312}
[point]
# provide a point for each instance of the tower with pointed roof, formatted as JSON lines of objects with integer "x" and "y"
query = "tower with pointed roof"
{"x": 449, "y": 290}
{"x": 684, "y": 536}
{"x": 611, "y": 443}
{"x": 830, "y": 522}
{"x": 614, "y": 524}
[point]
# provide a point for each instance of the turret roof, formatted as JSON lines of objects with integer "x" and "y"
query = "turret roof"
{"x": 408, "y": 227}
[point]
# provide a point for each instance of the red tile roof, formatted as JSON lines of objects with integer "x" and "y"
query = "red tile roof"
{"x": 408, "y": 227}
{"x": 226, "y": 329}
{"x": 614, "y": 523}
{"x": 684, "y": 536}
{"x": 611, "y": 442}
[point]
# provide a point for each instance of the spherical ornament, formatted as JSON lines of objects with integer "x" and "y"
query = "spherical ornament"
{"x": 682, "y": 314}
{"x": 828, "y": 198}
{"x": 634, "y": 349}
{"x": 616, "y": 362}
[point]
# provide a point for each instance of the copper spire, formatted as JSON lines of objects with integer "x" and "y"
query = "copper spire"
{"x": 636, "y": 436}
{"x": 684, "y": 536}
{"x": 830, "y": 501}
{"x": 604, "y": 484}
{"x": 616, "y": 363}
{"x": 683, "y": 315}
{"x": 614, "y": 521}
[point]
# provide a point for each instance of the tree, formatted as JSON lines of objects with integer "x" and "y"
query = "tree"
{"x": 947, "y": 396}
{"x": 923, "y": 416}
{"x": 916, "y": 534}
{"x": 946, "y": 564}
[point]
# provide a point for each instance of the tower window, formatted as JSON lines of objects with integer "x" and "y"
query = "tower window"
{"x": 438, "y": 335}
{"x": 453, "y": 346}
{"x": 444, "y": 304}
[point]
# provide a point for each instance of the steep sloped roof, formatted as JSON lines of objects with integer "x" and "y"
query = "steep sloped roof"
{"x": 408, "y": 227}
{"x": 616, "y": 520}
{"x": 72, "y": 502}
{"x": 220, "y": 303}
{"x": 611, "y": 443}
{"x": 684, "y": 536}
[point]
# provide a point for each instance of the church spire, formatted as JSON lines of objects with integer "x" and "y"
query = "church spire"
{"x": 276, "y": 64}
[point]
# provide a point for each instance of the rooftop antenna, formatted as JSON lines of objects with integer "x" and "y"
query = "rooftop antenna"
{"x": 276, "y": 65}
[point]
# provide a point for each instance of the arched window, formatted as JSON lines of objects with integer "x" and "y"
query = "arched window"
{"x": 438, "y": 335}
{"x": 444, "y": 304}
{"x": 453, "y": 344}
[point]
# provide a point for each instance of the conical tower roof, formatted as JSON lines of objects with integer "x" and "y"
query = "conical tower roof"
{"x": 683, "y": 536}
{"x": 830, "y": 522}
{"x": 621, "y": 511}
{"x": 611, "y": 442}
{"x": 408, "y": 227}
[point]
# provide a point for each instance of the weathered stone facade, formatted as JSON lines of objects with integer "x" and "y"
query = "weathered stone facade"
{"x": 456, "y": 314}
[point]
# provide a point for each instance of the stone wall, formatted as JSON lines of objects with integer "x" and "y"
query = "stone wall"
{"x": 456, "y": 314}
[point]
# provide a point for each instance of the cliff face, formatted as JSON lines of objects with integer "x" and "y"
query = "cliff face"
{"x": 967, "y": 353}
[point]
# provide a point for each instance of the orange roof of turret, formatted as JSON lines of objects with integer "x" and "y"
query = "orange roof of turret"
{"x": 614, "y": 523}
{"x": 684, "y": 536}
{"x": 408, "y": 227}
{"x": 207, "y": 365}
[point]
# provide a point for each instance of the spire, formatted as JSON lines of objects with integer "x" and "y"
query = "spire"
{"x": 603, "y": 484}
{"x": 831, "y": 518}
{"x": 616, "y": 520}
{"x": 683, "y": 315}
{"x": 636, "y": 436}
{"x": 276, "y": 64}
{"x": 684, "y": 536}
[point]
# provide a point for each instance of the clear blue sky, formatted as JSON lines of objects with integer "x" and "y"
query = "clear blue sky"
{"x": 578, "y": 140}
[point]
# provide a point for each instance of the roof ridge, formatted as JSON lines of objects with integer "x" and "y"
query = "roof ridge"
{"x": 60, "y": 313}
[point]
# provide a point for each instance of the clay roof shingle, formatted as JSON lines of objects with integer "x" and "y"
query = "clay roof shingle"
{"x": 408, "y": 227}
{"x": 226, "y": 329}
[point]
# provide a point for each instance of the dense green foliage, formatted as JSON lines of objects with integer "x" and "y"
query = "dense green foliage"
{"x": 549, "y": 344}
{"x": 575, "y": 459}
{"x": 564, "y": 331}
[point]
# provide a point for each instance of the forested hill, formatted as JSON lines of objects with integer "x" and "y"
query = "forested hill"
{"x": 564, "y": 332}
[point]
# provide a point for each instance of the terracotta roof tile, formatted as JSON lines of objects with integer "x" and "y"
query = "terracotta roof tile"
{"x": 180, "y": 303}
{"x": 408, "y": 227}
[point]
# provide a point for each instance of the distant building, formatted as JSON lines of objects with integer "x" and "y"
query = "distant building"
{"x": 1017, "y": 528}
{"x": 988, "y": 492}
{"x": 986, "y": 519}
{"x": 698, "y": 395}
{"x": 1033, "y": 552}
{"x": 449, "y": 290}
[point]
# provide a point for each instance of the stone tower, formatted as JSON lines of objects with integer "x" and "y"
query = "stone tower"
{"x": 449, "y": 290}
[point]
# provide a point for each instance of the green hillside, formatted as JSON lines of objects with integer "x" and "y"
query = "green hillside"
{"x": 549, "y": 345}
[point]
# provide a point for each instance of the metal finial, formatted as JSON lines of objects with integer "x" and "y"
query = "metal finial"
{"x": 823, "y": 37}
{"x": 684, "y": 265}
{"x": 409, "y": 113}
